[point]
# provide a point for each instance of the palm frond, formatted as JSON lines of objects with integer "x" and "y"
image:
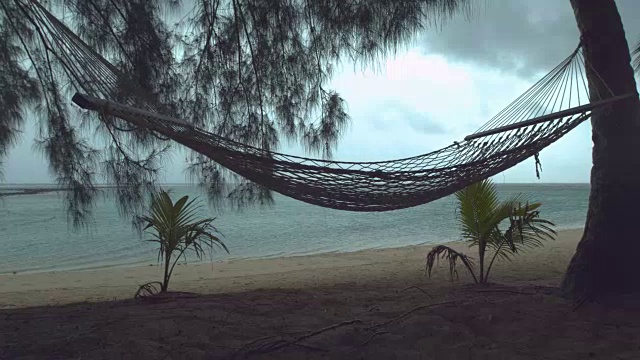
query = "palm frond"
{"x": 476, "y": 204}
{"x": 177, "y": 229}
{"x": 147, "y": 290}
{"x": 526, "y": 230}
{"x": 483, "y": 218}
{"x": 452, "y": 257}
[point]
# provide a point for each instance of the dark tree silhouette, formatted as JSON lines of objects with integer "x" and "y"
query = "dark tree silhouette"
{"x": 256, "y": 71}
{"x": 251, "y": 70}
{"x": 605, "y": 258}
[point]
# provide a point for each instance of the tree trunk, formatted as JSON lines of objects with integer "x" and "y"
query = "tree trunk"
{"x": 604, "y": 263}
{"x": 481, "y": 251}
{"x": 165, "y": 280}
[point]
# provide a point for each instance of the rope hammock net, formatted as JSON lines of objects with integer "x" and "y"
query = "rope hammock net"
{"x": 553, "y": 106}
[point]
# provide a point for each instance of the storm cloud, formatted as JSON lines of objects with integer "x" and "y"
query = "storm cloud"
{"x": 525, "y": 37}
{"x": 443, "y": 87}
{"x": 392, "y": 114}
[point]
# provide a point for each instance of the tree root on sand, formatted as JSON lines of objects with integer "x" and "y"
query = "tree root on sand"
{"x": 505, "y": 291}
{"x": 420, "y": 289}
{"x": 282, "y": 343}
{"x": 409, "y": 313}
{"x": 253, "y": 347}
{"x": 373, "y": 336}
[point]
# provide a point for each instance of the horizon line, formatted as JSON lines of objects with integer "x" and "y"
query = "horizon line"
{"x": 195, "y": 184}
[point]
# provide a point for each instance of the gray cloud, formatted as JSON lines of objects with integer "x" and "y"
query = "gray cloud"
{"x": 423, "y": 124}
{"x": 392, "y": 113}
{"x": 518, "y": 35}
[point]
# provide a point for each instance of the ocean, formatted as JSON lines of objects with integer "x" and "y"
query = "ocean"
{"x": 36, "y": 237}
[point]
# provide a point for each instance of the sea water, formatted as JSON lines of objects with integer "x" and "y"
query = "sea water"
{"x": 35, "y": 234}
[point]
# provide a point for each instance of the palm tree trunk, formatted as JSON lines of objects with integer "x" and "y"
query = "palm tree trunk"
{"x": 604, "y": 262}
{"x": 165, "y": 280}
{"x": 481, "y": 250}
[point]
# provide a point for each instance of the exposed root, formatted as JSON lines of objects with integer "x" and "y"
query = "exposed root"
{"x": 282, "y": 343}
{"x": 373, "y": 336}
{"x": 505, "y": 291}
{"x": 329, "y": 328}
{"x": 417, "y": 288}
{"x": 581, "y": 301}
{"x": 253, "y": 347}
{"x": 409, "y": 313}
{"x": 309, "y": 347}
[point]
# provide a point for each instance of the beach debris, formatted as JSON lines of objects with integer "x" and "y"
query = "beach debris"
{"x": 148, "y": 289}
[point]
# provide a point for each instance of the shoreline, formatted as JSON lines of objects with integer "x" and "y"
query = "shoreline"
{"x": 378, "y": 305}
{"x": 145, "y": 263}
{"x": 402, "y": 265}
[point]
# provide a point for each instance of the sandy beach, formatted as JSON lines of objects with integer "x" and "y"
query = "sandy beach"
{"x": 374, "y": 304}
{"x": 543, "y": 266}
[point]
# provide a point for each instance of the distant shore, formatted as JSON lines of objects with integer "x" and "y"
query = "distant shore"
{"x": 23, "y": 191}
{"x": 543, "y": 266}
{"x": 33, "y": 190}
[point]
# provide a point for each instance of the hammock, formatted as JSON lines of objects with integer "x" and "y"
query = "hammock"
{"x": 556, "y": 104}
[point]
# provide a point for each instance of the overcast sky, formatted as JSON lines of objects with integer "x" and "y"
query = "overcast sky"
{"x": 443, "y": 87}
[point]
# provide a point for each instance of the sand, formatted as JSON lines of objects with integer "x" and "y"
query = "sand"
{"x": 404, "y": 265}
{"x": 374, "y": 304}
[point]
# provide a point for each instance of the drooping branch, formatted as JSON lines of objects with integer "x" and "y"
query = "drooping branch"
{"x": 255, "y": 71}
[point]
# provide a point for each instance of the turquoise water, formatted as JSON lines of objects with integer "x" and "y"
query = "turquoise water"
{"x": 35, "y": 234}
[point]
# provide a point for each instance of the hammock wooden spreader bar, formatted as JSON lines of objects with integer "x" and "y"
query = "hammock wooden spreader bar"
{"x": 552, "y": 107}
{"x": 549, "y": 117}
